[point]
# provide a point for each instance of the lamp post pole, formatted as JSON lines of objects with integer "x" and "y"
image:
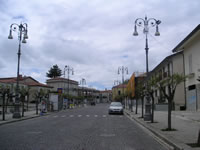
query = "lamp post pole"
{"x": 123, "y": 70}
{"x": 145, "y": 24}
{"x": 82, "y": 82}
{"x": 22, "y": 36}
{"x": 69, "y": 70}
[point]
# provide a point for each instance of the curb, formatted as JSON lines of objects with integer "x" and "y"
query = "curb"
{"x": 156, "y": 133}
{"x": 21, "y": 119}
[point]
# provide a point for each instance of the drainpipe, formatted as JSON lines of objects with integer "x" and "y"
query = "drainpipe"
{"x": 184, "y": 81}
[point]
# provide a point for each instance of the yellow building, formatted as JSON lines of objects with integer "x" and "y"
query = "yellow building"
{"x": 118, "y": 92}
{"x": 131, "y": 87}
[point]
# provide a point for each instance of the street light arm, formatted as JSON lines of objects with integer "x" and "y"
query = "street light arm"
{"x": 139, "y": 22}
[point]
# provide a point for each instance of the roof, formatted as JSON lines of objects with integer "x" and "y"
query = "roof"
{"x": 22, "y": 80}
{"x": 187, "y": 39}
{"x": 106, "y": 91}
{"x": 60, "y": 79}
{"x": 120, "y": 86}
{"x": 166, "y": 60}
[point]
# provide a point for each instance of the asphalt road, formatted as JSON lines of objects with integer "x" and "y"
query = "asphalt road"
{"x": 89, "y": 128}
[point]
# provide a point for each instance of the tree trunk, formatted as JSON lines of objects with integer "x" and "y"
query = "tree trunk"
{"x": 198, "y": 141}
{"x": 3, "y": 110}
{"x": 22, "y": 98}
{"x": 169, "y": 114}
{"x": 27, "y": 101}
{"x": 142, "y": 107}
{"x": 37, "y": 106}
{"x": 136, "y": 111}
{"x": 152, "y": 116}
{"x": 131, "y": 105}
{"x": 6, "y": 103}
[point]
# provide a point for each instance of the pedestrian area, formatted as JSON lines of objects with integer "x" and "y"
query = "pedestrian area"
{"x": 85, "y": 116}
{"x": 187, "y": 125}
{"x": 9, "y": 117}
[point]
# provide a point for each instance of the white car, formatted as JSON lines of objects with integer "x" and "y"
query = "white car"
{"x": 116, "y": 108}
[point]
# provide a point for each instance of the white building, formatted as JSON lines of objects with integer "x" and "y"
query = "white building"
{"x": 170, "y": 65}
{"x": 190, "y": 47}
{"x": 65, "y": 85}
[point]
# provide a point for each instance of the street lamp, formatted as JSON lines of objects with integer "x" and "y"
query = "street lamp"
{"x": 22, "y": 36}
{"x": 123, "y": 70}
{"x": 145, "y": 24}
{"x": 69, "y": 70}
{"x": 82, "y": 82}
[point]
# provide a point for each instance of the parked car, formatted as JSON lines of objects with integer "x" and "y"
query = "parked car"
{"x": 115, "y": 108}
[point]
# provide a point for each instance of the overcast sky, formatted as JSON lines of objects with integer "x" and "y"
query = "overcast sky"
{"x": 92, "y": 36}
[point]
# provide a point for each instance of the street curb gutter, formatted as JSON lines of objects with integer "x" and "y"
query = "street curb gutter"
{"x": 156, "y": 133}
{"x": 21, "y": 119}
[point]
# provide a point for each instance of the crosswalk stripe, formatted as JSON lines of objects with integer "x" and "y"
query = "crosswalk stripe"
{"x": 112, "y": 116}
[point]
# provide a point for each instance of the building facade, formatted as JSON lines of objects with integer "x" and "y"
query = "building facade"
{"x": 118, "y": 92}
{"x": 26, "y": 82}
{"x": 190, "y": 47}
{"x": 64, "y": 85}
{"x": 172, "y": 64}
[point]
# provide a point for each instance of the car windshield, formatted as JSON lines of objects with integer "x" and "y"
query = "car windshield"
{"x": 116, "y": 104}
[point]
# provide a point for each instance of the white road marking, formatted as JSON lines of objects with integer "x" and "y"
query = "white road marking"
{"x": 71, "y": 116}
{"x": 104, "y": 115}
{"x": 55, "y": 116}
{"x": 95, "y": 115}
{"x": 79, "y": 115}
{"x": 87, "y": 115}
{"x": 63, "y": 116}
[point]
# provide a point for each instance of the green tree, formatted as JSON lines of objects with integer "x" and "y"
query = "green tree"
{"x": 171, "y": 83}
{"x": 54, "y": 72}
{"x": 23, "y": 93}
{"x": 38, "y": 97}
{"x": 4, "y": 90}
{"x": 151, "y": 89}
{"x": 139, "y": 94}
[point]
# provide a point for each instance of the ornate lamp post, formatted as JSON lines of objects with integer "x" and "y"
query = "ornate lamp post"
{"x": 146, "y": 24}
{"x": 22, "y": 30}
{"x": 123, "y": 70}
{"x": 82, "y": 82}
{"x": 69, "y": 70}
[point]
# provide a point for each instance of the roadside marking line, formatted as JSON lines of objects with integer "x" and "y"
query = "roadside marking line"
{"x": 87, "y": 115}
{"x": 63, "y": 116}
{"x": 55, "y": 116}
{"x": 79, "y": 115}
{"x": 95, "y": 115}
{"x": 71, "y": 116}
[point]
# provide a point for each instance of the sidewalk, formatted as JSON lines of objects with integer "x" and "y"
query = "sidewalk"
{"x": 187, "y": 125}
{"x": 27, "y": 115}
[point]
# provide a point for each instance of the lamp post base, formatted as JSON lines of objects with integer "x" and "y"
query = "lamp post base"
{"x": 16, "y": 113}
{"x": 147, "y": 115}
